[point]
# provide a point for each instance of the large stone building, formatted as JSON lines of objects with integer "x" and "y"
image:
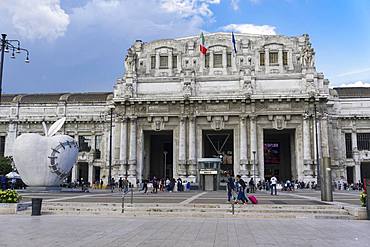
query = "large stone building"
{"x": 263, "y": 109}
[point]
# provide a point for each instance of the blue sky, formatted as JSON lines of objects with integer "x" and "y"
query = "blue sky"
{"x": 80, "y": 45}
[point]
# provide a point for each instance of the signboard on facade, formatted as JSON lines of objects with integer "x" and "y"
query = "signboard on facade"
{"x": 208, "y": 172}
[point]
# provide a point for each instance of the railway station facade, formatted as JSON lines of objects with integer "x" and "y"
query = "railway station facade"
{"x": 260, "y": 107}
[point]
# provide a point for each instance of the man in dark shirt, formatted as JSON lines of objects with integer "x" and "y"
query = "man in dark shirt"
{"x": 230, "y": 186}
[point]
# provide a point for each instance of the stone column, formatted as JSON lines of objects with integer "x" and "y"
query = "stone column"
{"x": 306, "y": 141}
{"x": 157, "y": 61}
{"x": 354, "y": 141}
{"x": 179, "y": 63}
{"x": 192, "y": 147}
{"x": 123, "y": 146}
{"x": 132, "y": 152}
{"x": 267, "y": 60}
{"x": 114, "y": 146}
{"x": 90, "y": 174}
{"x": 324, "y": 137}
{"x": 170, "y": 60}
{"x": 74, "y": 173}
{"x": 280, "y": 60}
{"x": 253, "y": 138}
{"x": 10, "y": 139}
{"x": 260, "y": 168}
{"x": 243, "y": 146}
{"x": 290, "y": 60}
{"x": 224, "y": 59}
{"x": 182, "y": 140}
{"x": 211, "y": 59}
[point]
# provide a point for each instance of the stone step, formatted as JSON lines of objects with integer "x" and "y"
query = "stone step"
{"x": 246, "y": 208}
{"x": 224, "y": 214}
{"x": 145, "y": 205}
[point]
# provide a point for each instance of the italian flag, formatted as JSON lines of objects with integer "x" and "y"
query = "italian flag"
{"x": 202, "y": 47}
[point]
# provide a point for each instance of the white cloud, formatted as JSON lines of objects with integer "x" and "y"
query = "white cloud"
{"x": 34, "y": 19}
{"x": 250, "y": 29}
{"x": 235, "y": 4}
{"x": 354, "y": 72}
{"x": 355, "y": 84}
{"x": 149, "y": 19}
{"x": 189, "y": 7}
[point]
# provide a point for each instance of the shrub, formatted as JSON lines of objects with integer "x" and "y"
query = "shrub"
{"x": 363, "y": 199}
{"x": 9, "y": 196}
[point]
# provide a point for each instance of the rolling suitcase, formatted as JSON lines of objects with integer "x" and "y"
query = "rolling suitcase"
{"x": 253, "y": 199}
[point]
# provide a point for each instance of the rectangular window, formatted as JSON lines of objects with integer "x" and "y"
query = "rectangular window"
{"x": 228, "y": 60}
{"x": 285, "y": 58}
{"x": 163, "y": 62}
{"x": 273, "y": 57}
{"x": 217, "y": 60}
{"x": 348, "y": 138}
{"x": 206, "y": 60}
{"x": 363, "y": 141}
{"x": 2, "y": 146}
{"x": 174, "y": 62}
{"x": 152, "y": 62}
{"x": 98, "y": 146}
{"x": 262, "y": 58}
{"x": 84, "y": 143}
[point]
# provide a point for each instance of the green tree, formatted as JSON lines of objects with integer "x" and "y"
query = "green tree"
{"x": 5, "y": 165}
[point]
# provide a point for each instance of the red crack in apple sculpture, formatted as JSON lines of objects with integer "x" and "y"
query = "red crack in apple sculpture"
{"x": 44, "y": 161}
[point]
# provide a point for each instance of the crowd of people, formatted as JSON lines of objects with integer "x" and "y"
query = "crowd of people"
{"x": 168, "y": 184}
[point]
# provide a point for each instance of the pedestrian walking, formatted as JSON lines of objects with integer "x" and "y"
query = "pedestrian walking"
{"x": 230, "y": 186}
{"x": 155, "y": 185}
{"x": 273, "y": 181}
{"x": 120, "y": 184}
{"x": 241, "y": 189}
{"x": 252, "y": 186}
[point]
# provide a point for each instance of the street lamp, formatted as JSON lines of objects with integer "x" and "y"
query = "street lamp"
{"x": 104, "y": 115}
{"x": 318, "y": 177}
{"x": 165, "y": 163}
{"x": 15, "y": 46}
{"x": 110, "y": 149}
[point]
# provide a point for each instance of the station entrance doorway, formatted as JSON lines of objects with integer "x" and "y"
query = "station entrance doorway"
{"x": 220, "y": 144}
{"x": 278, "y": 148}
{"x": 158, "y": 154}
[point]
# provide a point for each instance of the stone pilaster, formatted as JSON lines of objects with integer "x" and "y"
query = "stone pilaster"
{"x": 280, "y": 60}
{"x": 267, "y": 60}
{"x": 132, "y": 148}
{"x": 243, "y": 146}
{"x": 306, "y": 141}
{"x": 123, "y": 146}
{"x": 90, "y": 174}
{"x": 192, "y": 147}
{"x": 182, "y": 141}
{"x": 253, "y": 147}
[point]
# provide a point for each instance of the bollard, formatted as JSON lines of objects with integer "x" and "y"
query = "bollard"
{"x": 123, "y": 203}
{"x": 132, "y": 195}
{"x": 232, "y": 207}
{"x": 36, "y": 206}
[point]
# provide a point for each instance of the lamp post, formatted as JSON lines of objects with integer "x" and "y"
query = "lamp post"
{"x": 4, "y": 47}
{"x": 318, "y": 177}
{"x": 110, "y": 149}
{"x": 165, "y": 163}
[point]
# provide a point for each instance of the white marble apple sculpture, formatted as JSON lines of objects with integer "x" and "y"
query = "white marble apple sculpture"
{"x": 44, "y": 161}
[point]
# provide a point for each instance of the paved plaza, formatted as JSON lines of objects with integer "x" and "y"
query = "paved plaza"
{"x": 300, "y": 197}
{"x": 163, "y": 231}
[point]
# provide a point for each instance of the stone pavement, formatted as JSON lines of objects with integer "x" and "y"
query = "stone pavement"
{"x": 300, "y": 197}
{"x": 161, "y": 231}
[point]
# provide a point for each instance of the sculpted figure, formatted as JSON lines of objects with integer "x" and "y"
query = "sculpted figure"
{"x": 130, "y": 62}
